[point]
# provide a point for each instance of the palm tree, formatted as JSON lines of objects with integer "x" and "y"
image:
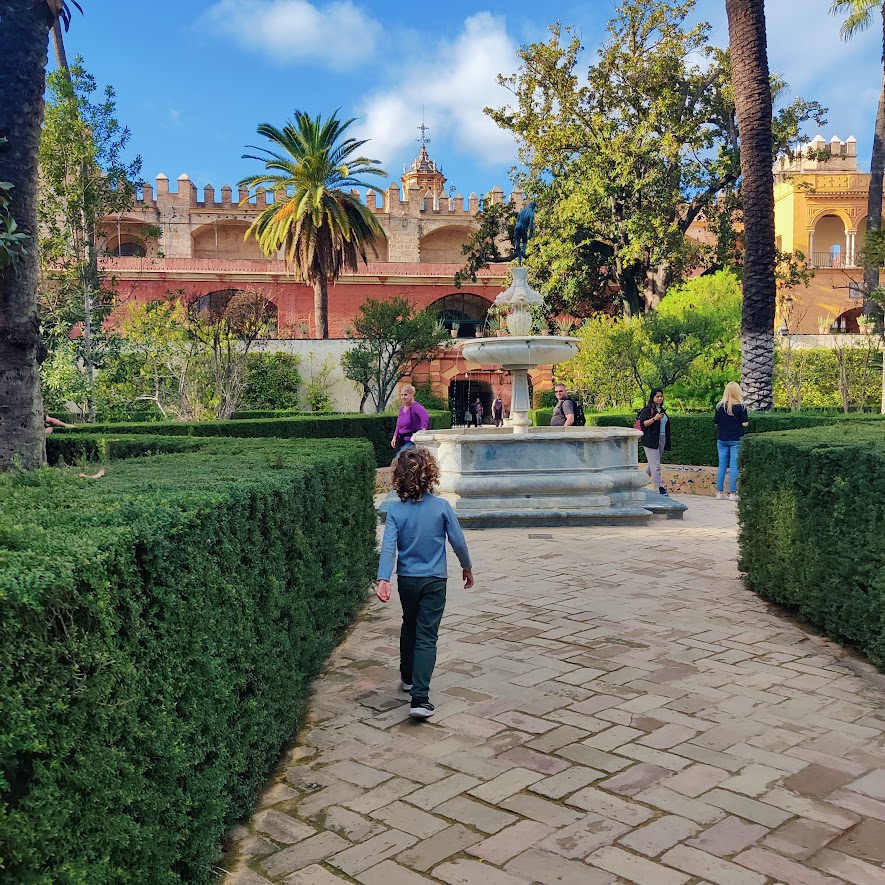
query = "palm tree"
{"x": 752, "y": 94}
{"x": 859, "y": 16}
{"x": 24, "y": 38}
{"x": 322, "y": 228}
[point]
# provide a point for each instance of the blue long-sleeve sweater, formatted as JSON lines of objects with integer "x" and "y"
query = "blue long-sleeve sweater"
{"x": 417, "y": 532}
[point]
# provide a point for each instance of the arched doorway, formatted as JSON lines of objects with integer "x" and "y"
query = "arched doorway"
{"x": 462, "y": 309}
{"x": 464, "y": 391}
{"x": 828, "y": 242}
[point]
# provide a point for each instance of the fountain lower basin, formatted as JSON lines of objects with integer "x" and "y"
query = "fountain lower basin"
{"x": 542, "y": 476}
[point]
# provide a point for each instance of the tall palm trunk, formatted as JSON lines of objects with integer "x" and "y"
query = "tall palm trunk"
{"x": 752, "y": 91}
{"x": 874, "y": 200}
{"x": 24, "y": 28}
{"x": 321, "y": 307}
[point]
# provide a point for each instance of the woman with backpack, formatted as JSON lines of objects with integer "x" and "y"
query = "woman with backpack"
{"x": 655, "y": 427}
{"x": 731, "y": 421}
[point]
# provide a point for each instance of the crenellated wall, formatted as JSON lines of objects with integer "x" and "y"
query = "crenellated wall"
{"x": 204, "y": 223}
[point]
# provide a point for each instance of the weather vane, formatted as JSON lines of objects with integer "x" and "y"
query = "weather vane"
{"x": 423, "y": 139}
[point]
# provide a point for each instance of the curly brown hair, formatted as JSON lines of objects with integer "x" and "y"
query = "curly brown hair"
{"x": 415, "y": 472}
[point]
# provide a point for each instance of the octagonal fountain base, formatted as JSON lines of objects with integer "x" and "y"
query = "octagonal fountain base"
{"x": 545, "y": 476}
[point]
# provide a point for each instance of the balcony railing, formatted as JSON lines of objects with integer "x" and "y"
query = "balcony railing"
{"x": 829, "y": 259}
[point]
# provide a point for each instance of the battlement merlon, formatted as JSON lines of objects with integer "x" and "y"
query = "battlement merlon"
{"x": 820, "y": 155}
{"x": 393, "y": 200}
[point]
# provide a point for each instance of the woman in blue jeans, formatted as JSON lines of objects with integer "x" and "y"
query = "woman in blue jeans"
{"x": 731, "y": 420}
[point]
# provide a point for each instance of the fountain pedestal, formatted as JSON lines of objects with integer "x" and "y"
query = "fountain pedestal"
{"x": 543, "y": 476}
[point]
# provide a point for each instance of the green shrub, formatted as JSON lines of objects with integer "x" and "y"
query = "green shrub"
{"x": 377, "y": 429}
{"x": 159, "y": 632}
{"x": 812, "y": 527}
{"x": 272, "y": 381}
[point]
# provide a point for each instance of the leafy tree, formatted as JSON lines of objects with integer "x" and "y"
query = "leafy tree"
{"x": 623, "y": 160}
{"x": 393, "y": 339}
{"x": 753, "y": 103}
{"x": 688, "y": 346}
{"x": 494, "y": 234}
{"x": 224, "y": 339}
{"x": 322, "y": 228}
{"x": 83, "y": 178}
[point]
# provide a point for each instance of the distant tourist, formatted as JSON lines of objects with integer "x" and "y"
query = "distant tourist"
{"x": 412, "y": 417}
{"x": 477, "y": 412}
{"x": 655, "y": 427}
{"x": 498, "y": 411}
{"x": 415, "y": 536}
{"x": 50, "y": 423}
{"x": 468, "y": 416}
{"x": 564, "y": 411}
{"x": 731, "y": 421}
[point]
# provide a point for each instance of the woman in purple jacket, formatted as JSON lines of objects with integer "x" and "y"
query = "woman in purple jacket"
{"x": 412, "y": 417}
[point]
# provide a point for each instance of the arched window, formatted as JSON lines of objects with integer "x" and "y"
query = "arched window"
{"x": 464, "y": 309}
{"x": 129, "y": 249}
{"x": 243, "y": 309}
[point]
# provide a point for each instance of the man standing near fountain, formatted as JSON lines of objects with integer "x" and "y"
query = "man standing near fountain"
{"x": 412, "y": 417}
{"x": 564, "y": 413}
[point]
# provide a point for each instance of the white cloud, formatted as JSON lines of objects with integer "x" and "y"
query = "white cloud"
{"x": 453, "y": 81}
{"x": 337, "y": 36}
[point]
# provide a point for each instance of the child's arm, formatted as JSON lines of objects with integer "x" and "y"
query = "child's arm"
{"x": 387, "y": 558}
{"x": 459, "y": 544}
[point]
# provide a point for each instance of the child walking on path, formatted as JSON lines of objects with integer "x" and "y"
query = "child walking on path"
{"x": 415, "y": 536}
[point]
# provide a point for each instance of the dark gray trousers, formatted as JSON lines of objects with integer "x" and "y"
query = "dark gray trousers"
{"x": 423, "y": 601}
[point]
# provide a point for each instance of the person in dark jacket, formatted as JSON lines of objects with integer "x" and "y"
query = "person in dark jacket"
{"x": 655, "y": 426}
{"x": 731, "y": 421}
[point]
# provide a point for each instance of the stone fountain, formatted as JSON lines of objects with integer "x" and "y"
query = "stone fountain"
{"x": 519, "y": 475}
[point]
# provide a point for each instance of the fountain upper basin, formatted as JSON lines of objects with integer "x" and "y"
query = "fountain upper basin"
{"x": 525, "y": 351}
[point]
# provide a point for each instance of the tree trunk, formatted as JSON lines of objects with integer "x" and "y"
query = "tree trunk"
{"x": 24, "y": 30}
{"x": 58, "y": 44}
{"x": 752, "y": 92}
{"x": 321, "y": 308}
{"x": 874, "y": 199}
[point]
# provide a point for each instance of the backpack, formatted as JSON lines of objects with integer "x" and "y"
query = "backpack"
{"x": 638, "y": 424}
{"x": 578, "y": 406}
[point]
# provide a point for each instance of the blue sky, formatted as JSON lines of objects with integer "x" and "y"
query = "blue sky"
{"x": 195, "y": 77}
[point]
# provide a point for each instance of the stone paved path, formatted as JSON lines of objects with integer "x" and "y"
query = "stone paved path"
{"x": 613, "y": 707}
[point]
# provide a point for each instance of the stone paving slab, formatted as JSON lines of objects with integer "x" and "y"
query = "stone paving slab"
{"x": 613, "y": 707}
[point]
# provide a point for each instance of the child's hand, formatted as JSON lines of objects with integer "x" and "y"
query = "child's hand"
{"x": 383, "y": 591}
{"x": 467, "y": 574}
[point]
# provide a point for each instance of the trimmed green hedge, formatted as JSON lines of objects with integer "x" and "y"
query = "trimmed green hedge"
{"x": 377, "y": 429}
{"x": 812, "y": 528}
{"x": 694, "y": 435}
{"x": 74, "y": 448}
{"x": 159, "y": 632}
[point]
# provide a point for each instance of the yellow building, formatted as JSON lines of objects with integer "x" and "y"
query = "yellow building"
{"x": 820, "y": 209}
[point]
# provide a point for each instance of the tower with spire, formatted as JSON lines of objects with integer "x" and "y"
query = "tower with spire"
{"x": 423, "y": 172}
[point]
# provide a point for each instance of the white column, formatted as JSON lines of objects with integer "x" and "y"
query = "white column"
{"x": 811, "y": 247}
{"x": 850, "y": 245}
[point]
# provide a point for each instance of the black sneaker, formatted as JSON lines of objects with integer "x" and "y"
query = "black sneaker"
{"x": 421, "y": 710}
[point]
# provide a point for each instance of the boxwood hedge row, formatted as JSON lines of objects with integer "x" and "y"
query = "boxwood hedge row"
{"x": 812, "y": 527}
{"x": 694, "y": 435}
{"x": 377, "y": 429}
{"x": 159, "y": 632}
